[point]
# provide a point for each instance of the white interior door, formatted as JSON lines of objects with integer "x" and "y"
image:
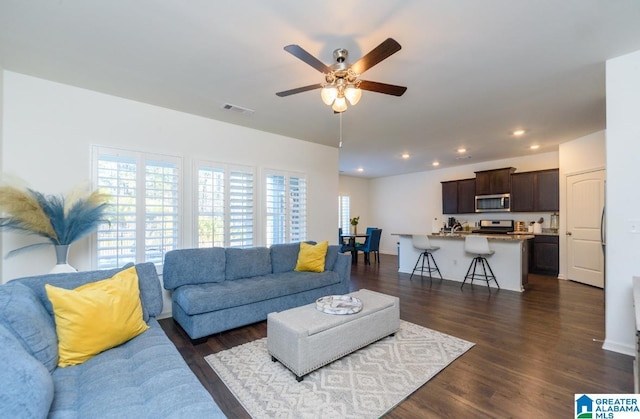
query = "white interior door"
{"x": 585, "y": 221}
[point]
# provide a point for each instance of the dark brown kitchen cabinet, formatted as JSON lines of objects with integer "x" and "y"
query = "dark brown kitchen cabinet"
{"x": 491, "y": 182}
{"x": 458, "y": 196}
{"x": 535, "y": 191}
{"x": 544, "y": 255}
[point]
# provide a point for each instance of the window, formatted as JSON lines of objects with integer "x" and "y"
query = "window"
{"x": 145, "y": 206}
{"x": 225, "y": 210}
{"x": 286, "y": 208}
{"x": 343, "y": 213}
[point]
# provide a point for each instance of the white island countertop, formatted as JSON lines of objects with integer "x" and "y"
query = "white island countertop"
{"x": 509, "y": 262}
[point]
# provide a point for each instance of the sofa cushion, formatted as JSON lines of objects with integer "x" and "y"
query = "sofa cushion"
{"x": 285, "y": 256}
{"x": 27, "y": 386}
{"x": 312, "y": 257}
{"x": 332, "y": 257}
{"x": 145, "y": 377}
{"x": 96, "y": 316}
{"x": 197, "y": 299}
{"x": 247, "y": 263}
{"x": 23, "y": 314}
{"x": 193, "y": 266}
{"x": 150, "y": 291}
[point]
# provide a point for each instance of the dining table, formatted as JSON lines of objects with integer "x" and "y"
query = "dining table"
{"x": 351, "y": 242}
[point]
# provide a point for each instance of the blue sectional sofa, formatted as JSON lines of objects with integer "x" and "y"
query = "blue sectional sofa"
{"x": 145, "y": 377}
{"x": 217, "y": 289}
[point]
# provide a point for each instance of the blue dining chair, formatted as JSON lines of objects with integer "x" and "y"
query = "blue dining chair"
{"x": 371, "y": 245}
{"x": 344, "y": 247}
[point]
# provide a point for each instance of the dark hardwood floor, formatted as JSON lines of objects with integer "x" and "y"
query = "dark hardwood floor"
{"x": 533, "y": 350}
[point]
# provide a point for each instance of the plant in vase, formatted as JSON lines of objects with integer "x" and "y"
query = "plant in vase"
{"x": 60, "y": 219}
{"x": 354, "y": 222}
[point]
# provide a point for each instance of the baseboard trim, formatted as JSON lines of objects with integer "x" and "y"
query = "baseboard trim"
{"x": 619, "y": 348}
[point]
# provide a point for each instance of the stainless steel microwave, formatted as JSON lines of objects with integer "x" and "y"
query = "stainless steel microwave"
{"x": 493, "y": 203}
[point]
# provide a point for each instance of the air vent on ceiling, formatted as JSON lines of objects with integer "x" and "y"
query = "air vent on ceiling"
{"x": 466, "y": 156}
{"x": 238, "y": 109}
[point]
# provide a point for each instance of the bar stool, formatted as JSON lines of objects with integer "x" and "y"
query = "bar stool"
{"x": 479, "y": 246}
{"x": 421, "y": 242}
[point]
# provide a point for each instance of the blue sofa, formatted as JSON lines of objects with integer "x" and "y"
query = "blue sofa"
{"x": 217, "y": 289}
{"x": 145, "y": 377}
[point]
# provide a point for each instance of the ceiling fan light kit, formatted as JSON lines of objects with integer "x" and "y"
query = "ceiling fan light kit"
{"x": 341, "y": 78}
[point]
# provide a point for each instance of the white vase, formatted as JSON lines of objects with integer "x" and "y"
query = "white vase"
{"x": 62, "y": 254}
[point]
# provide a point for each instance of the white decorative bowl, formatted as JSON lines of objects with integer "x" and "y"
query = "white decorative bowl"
{"x": 339, "y": 304}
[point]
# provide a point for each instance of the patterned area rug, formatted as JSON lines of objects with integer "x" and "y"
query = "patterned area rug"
{"x": 364, "y": 384}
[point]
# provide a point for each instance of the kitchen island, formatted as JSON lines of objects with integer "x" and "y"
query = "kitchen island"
{"x": 509, "y": 262}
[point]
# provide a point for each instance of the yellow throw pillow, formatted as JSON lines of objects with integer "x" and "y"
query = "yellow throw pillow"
{"x": 96, "y": 316}
{"x": 311, "y": 257}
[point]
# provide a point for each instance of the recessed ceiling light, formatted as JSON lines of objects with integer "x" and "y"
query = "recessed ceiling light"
{"x": 462, "y": 150}
{"x": 534, "y": 147}
{"x": 405, "y": 156}
{"x": 518, "y": 132}
{"x": 360, "y": 169}
{"x": 435, "y": 163}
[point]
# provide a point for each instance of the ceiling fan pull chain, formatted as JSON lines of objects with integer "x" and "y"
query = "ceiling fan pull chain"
{"x": 340, "y": 143}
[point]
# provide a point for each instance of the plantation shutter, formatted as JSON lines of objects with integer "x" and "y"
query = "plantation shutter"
{"x": 285, "y": 209}
{"x": 161, "y": 209}
{"x": 116, "y": 240}
{"x": 211, "y": 204}
{"x": 298, "y": 208}
{"x": 344, "y": 211}
{"x": 144, "y": 208}
{"x": 241, "y": 208}
{"x": 225, "y": 206}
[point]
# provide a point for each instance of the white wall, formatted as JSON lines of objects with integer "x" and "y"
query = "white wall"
{"x": 49, "y": 129}
{"x": 623, "y": 198}
{"x": 409, "y": 203}
{"x": 358, "y": 191}
{"x": 577, "y": 156}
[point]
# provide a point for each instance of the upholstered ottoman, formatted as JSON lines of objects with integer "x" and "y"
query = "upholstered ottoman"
{"x": 304, "y": 339}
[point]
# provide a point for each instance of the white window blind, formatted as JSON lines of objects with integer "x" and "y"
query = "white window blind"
{"x": 343, "y": 212}
{"x": 241, "y": 208}
{"x": 145, "y": 206}
{"x": 225, "y": 206}
{"x": 286, "y": 208}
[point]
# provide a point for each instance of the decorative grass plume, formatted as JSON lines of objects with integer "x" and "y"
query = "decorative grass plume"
{"x": 59, "y": 219}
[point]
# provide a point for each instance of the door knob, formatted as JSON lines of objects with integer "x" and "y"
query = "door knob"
{"x": 568, "y": 233}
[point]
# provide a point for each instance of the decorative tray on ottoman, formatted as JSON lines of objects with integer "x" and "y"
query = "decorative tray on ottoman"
{"x": 339, "y": 304}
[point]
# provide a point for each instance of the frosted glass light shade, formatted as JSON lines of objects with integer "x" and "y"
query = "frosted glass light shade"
{"x": 340, "y": 105}
{"x": 353, "y": 94}
{"x": 329, "y": 94}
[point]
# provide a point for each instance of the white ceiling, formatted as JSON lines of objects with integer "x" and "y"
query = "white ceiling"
{"x": 475, "y": 70}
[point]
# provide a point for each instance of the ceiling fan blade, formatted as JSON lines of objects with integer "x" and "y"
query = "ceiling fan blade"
{"x": 299, "y": 52}
{"x": 299, "y": 90}
{"x": 388, "y": 89}
{"x": 387, "y": 48}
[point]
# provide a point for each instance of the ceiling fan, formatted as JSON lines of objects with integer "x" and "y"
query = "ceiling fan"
{"x": 342, "y": 81}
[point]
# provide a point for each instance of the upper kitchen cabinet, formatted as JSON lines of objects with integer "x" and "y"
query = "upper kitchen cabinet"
{"x": 458, "y": 196}
{"x": 535, "y": 191}
{"x": 492, "y": 182}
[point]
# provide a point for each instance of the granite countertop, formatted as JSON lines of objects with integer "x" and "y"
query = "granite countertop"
{"x": 501, "y": 237}
{"x": 463, "y": 234}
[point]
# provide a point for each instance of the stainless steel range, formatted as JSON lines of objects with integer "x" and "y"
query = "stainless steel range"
{"x": 495, "y": 227}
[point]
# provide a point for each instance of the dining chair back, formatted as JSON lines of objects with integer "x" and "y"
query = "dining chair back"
{"x": 371, "y": 244}
{"x": 344, "y": 247}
